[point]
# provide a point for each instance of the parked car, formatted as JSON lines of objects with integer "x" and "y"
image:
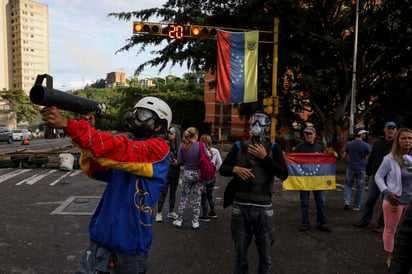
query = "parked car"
{"x": 20, "y": 134}
{"x": 28, "y": 133}
{"x": 6, "y": 135}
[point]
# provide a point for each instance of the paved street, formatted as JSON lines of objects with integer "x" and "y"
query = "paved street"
{"x": 45, "y": 214}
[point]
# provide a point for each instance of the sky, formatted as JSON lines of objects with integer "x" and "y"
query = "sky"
{"x": 84, "y": 41}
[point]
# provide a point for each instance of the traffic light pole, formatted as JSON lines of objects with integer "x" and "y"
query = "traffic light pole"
{"x": 274, "y": 81}
{"x": 175, "y": 31}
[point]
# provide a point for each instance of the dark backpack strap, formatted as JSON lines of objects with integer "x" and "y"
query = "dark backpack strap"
{"x": 242, "y": 157}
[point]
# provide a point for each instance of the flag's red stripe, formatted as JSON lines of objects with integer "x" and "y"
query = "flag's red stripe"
{"x": 223, "y": 69}
{"x": 310, "y": 158}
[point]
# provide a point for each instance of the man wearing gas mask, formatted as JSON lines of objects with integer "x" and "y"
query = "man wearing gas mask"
{"x": 135, "y": 171}
{"x": 253, "y": 165}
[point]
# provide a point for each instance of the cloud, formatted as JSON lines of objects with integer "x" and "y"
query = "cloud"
{"x": 84, "y": 41}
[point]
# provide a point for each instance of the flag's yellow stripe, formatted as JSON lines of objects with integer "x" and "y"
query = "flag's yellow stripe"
{"x": 310, "y": 183}
{"x": 251, "y": 67}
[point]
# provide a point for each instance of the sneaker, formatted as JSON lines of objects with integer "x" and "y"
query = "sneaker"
{"x": 378, "y": 229}
{"x": 346, "y": 207}
{"x": 204, "y": 218}
{"x": 304, "y": 227}
{"x": 177, "y": 223}
{"x": 172, "y": 215}
{"x": 159, "y": 217}
{"x": 195, "y": 225}
{"x": 356, "y": 209}
{"x": 212, "y": 215}
{"x": 324, "y": 228}
{"x": 362, "y": 224}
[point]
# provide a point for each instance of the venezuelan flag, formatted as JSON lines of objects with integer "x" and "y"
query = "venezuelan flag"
{"x": 310, "y": 171}
{"x": 237, "y": 66}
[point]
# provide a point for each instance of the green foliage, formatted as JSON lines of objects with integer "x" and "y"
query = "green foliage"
{"x": 21, "y": 104}
{"x": 99, "y": 84}
{"x": 111, "y": 97}
{"x": 184, "y": 96}
{"x": 187, "y": 108}
{"x": 392, "y": 105}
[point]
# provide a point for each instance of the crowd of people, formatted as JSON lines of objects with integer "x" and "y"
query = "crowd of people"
{"x": 141, "y": 172}
{"x": 249, "y": 160}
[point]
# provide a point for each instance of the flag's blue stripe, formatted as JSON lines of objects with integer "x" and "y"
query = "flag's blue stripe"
{"x": 237, "y": 67}
{"x": 311, "y": 169}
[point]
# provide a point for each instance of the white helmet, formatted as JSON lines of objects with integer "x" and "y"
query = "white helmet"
{"x": 158, "y": 106}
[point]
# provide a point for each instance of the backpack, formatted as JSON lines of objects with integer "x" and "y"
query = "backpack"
{"x": 205, "y": 167}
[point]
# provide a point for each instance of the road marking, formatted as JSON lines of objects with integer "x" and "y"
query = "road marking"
{"x": 13, "y": 174}
{"x": 60, "y": 178}
{"x": 75, "y": 172}
{"x": 35, "y": 178}
{"x": 87, "y": 206}
{"x": 49, "y": 203}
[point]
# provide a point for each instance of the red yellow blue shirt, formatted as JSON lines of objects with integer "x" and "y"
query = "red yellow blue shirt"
{"x": 135, "y": 172}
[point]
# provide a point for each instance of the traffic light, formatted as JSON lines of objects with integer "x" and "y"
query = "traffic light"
{"x": 175, "y": 31}
{"x": 268, "y": 105}
{"x": 203, "y": 32}
{"x": 271, "y": 105}
{"x": 144, "y": 27}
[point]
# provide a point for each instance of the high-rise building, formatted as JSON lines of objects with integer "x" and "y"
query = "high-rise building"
{"x": 24, "y": 43}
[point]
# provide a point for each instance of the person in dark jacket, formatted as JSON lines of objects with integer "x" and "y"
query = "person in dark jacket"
{"x": 379, "y": 149}
{"x": 172, "y": 180}
{"x": 253, "y": 165}
{"x": 309, "y": 146}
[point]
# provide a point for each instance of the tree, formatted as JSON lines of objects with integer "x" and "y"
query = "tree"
{"x": 175, "y": 91}
{"x": 20, "y": 102}
{"x": 111, "y": 97}
{"x": 385, "y": 68}
{"x": 316, "y": 41}
{"x": 99, "y": 84}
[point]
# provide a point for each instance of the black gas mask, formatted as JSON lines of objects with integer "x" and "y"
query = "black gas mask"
{"x": 141, "y": 122}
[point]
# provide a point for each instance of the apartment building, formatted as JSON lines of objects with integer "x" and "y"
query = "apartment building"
{"x": 116, "y": 78}
{"x": 24, "y": 43}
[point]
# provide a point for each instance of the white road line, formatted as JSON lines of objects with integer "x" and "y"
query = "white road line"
{"x": 35, "y": 178}
{"x": 12, "y": 174}
{"x": 59, "y": 179}
{"x": 75, "y": 172}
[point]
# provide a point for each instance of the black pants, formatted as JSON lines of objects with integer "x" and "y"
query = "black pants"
{"x": 171, "y": 184}
{"x": 207, "y": 197}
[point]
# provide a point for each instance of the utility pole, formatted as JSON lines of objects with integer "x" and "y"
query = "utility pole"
{"x": 353, "y": 91}
{"x": 274, "y": 81}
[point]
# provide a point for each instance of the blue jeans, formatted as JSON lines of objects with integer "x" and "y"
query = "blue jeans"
{"x": 246, "y": 222}
{"x": 373, "y": 195}
{"x": 320, "y": 201}
{"x": 351, "y": 176}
